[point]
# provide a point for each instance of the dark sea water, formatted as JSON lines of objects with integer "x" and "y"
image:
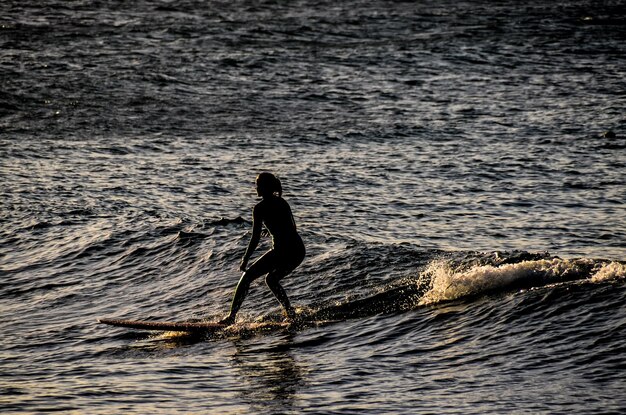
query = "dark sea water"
{"x": 449, "y": 169}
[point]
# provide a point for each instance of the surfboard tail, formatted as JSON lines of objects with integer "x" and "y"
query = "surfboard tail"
{"x": 163, "y": 325}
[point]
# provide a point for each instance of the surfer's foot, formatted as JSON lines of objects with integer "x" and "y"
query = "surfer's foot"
{"x": 290, "y": 314}
{"x": 228, "y": 321}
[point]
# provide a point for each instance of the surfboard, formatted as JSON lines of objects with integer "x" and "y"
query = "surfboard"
{"x": 197, "y": 327}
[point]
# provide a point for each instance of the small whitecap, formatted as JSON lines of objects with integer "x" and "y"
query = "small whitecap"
{"x": 610, "y": 271}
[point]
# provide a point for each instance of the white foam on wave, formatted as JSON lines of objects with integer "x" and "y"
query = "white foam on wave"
{"x": 450, "y": 284}
{"x": 610, "y": 271}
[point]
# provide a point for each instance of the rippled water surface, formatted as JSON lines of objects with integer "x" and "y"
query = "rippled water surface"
{"x": 456, "y": 170}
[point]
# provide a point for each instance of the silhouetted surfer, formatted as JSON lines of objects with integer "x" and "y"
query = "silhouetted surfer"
{"x": 287, "y": 247}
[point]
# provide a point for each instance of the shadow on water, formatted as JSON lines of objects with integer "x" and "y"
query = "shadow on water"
{"x": 271, "y": 377}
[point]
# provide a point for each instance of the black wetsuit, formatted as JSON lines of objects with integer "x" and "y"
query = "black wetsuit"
{"x": 286, "y": 254}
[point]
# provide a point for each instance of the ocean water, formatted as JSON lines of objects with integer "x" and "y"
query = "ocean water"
{"x": 456, "y": 170}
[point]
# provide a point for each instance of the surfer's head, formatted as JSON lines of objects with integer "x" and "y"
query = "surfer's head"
{"x": 267, "y": 184}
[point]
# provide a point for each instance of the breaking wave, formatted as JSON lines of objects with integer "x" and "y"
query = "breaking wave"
{"x": 450, "y": 283}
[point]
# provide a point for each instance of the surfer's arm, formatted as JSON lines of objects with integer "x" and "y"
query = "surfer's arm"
{"x": 257, "y": 225}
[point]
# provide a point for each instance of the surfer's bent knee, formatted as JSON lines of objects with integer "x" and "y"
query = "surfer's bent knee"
{"x": 274, "y": 277}
{"x": 245, "y": 278}
{"x": 250, "y": 275}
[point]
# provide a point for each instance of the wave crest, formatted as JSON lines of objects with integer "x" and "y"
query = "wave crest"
{"x": 610, "y": 271}
{"x": 450, "y": 283}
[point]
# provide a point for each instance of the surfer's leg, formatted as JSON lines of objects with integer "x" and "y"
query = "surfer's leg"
{"x": 260, "y": 267}
{"x": 272, "y": 281}
{"x": 240, "y": 294}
